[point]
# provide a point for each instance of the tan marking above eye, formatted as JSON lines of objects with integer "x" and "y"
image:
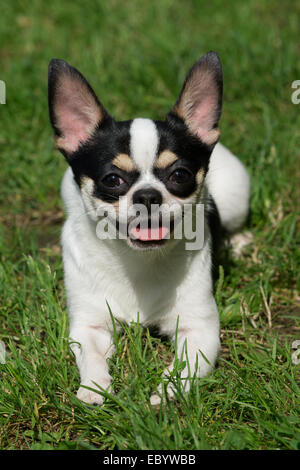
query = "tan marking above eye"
{"x": 165, "y": 159}
{"x": 200, "y": 176}
{"x": 124, "y": 162}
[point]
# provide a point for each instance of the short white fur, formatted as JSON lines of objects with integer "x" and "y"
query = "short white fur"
{"x": 144, "y": 142}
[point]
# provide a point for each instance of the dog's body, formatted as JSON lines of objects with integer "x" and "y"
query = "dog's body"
{"x": 164, "y": 286}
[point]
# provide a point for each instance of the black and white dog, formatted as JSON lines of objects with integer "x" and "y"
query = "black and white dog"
{"x": 147, "y": 272}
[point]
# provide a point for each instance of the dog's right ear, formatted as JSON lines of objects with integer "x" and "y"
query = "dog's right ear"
{"x": 75, "y": 111}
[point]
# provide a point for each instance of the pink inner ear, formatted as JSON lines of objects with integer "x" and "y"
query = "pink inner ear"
{"x": 74, "y": 132}
{"x": 77, "y": 114}
{"x": 198, "y": 105}
{"x": 202, "y": 120}
{"x": 208, "y": 137}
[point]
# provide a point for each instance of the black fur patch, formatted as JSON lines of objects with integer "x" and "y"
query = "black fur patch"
{"x": 94, "y": 159}
{"x": 217, "y": 234}
{"x": 192, "y": 155}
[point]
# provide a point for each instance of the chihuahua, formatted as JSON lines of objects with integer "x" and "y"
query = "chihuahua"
{"x": 145, "y": 271}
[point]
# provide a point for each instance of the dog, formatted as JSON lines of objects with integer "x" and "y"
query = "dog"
{"x": 115, "y": 166}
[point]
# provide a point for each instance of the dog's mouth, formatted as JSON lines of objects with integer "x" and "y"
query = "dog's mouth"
{"x": 148, "y": 234}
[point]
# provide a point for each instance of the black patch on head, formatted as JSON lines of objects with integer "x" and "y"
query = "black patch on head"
{"x": 192, "y": 154}
{"x": 94, "y": 159}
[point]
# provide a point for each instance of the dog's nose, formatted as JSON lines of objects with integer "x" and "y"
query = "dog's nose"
{"x": 147, "y": 196}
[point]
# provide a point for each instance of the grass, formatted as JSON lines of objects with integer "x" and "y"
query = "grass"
{"x": 136, "y": 55}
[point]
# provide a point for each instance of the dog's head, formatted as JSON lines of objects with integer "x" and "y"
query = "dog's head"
{"x": 158, "y": 165}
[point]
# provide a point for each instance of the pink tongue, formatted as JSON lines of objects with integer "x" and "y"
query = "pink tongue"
{"x": 148, "y": 234}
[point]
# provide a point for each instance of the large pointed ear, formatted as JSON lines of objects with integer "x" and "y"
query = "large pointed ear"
{"x": 200, "y": 101}
{"x": 75, "y": 111}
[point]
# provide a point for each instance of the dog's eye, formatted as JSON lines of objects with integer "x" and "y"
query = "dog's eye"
{"x": 180, "y": 176}
{"x": 113, "y": 181}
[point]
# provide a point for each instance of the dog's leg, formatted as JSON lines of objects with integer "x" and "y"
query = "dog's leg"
{"x": 198, "y": 344}
{"x": 92, "y": 346}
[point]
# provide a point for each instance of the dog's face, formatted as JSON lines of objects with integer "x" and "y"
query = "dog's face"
{"x": 155, "y": 165}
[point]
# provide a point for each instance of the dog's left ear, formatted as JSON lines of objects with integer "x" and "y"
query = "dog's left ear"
{"x": 200, "y": 101}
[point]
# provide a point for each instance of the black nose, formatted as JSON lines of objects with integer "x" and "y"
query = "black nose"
{"x": 147, "y": 196}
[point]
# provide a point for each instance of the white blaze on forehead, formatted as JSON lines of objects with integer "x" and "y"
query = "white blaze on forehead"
{"x": 144, "y": 142}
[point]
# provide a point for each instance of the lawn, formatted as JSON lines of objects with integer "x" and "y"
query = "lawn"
{"x": 136, "y": 55}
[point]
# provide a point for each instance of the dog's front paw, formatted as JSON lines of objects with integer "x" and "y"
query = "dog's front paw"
{"x": 93, "y": 397}
{"x": 87, "y": 396}
{"x": 238, "y": 241}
